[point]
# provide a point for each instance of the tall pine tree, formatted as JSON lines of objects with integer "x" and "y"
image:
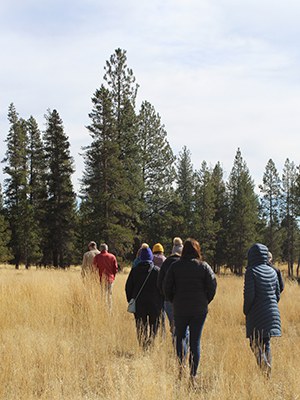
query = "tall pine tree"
{"x": 102, "y": 207}
{"x": 16, "y": 187}
{"x": 220, "y": 217}
{"x": 243, "y": 213}
{"x": 297, "y": 198}
{"x": 270, "y": 202}
{"x": 289, "y": 214}
{"x": 158, "y": 174}
{"x": 61, "y": 198}
{"x": 121, "y": 83}
{"x": 185, "y": 193}
{"x": 37, "y": 191}
{"x": 112, "y": 160}
{"x": 5, "y": 234}
{"x": 206, "y": 226}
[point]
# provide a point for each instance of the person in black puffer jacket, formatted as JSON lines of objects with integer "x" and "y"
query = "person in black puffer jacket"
{"x": 150, "y": 302}
{"x": 190, "y": 285}
{"x": 261, "y": 297}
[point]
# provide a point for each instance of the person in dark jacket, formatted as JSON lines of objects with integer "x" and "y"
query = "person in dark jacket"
{"x": 149, "y": 303}
{"x": 137, "y": 257}
{"x": 261, "y": 297}
{"x": 175, "y": 256}
{"x": 190, "y": 285}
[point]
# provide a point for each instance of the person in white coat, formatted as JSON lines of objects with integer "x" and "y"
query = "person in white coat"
{"x": 88, "y": 259}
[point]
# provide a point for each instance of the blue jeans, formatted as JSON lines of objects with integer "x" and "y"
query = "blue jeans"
{"x": 195, "y": 325}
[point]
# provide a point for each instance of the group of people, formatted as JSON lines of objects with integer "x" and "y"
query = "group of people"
{"x": 181, "y": 286}
{"x": 103, "y": 263}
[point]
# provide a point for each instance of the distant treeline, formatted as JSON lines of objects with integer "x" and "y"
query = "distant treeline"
{"x": 134, "y": 189}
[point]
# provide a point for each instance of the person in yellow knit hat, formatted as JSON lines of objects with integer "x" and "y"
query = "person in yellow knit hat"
{"x": 158, "y": 255}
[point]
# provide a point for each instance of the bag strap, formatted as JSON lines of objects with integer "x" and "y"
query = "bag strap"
{"x": 144, "y": 283}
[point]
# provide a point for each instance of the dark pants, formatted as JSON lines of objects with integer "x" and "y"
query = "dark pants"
{"x": 168, "y": 309}
{"x": 195, "y": 325}
{"x": 146, "y": 327}
{"x": 261, "y": 347}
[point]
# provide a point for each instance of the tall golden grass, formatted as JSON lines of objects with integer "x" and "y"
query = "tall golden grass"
{"x": 58, "y": 341}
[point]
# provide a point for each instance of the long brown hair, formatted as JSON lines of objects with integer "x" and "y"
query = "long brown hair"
{"x": 191, "y": 249}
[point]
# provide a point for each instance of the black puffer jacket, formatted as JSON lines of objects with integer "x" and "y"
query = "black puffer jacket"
{"x": 190, "y": 285}
{"x": 261, "y": 294}
{"x": 150, "y": 301}
{"x": 164, "y": 269}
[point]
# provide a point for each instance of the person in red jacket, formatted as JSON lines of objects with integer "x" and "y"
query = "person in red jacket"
{"x": 107, "y": 266}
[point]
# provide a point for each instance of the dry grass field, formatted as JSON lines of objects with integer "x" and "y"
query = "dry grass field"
{"x": 57, "y": 341}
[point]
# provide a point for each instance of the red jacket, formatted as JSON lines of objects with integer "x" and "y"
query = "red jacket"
{"x": 107, "y": 265}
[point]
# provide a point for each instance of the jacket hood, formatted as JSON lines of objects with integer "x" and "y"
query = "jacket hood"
{"x": 257, "y": 255}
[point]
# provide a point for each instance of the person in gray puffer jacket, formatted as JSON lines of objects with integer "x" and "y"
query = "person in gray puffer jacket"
{"x": 261, "y": 297}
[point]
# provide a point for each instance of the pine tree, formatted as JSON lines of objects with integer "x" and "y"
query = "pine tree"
{"x": 121, "y": 83}
{"x": 158, "y": 174}
{"x": 206, "y": 227}
{"x": 60, "y": 216}
{"x": 185, "y": 193}
{"x": 270, "y": 202}
{"x": 243, "y": 213}
{"x": 5, "y": 234}
{"x": 220, "y": 218}
{"x": 103, "y": 208}
{"x": 289, "y": 214}
{"x": 5, "y": 237}
{"x": 37, "y": 166}
{"x": 297, "y": 206}
{"x": 37, "y": 191}
{"x": 15, "y": 189}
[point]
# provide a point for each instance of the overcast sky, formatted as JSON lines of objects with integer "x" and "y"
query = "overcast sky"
{"x": 222, "y": 74}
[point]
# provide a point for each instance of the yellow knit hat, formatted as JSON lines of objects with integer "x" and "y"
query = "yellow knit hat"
{"x": 158, "y": 248}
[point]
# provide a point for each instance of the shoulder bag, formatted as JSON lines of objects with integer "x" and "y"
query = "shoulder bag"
{"x": 132, "y": 303}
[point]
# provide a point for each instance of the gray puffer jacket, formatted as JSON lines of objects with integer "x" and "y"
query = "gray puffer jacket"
{"x": 261, "y": 294}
